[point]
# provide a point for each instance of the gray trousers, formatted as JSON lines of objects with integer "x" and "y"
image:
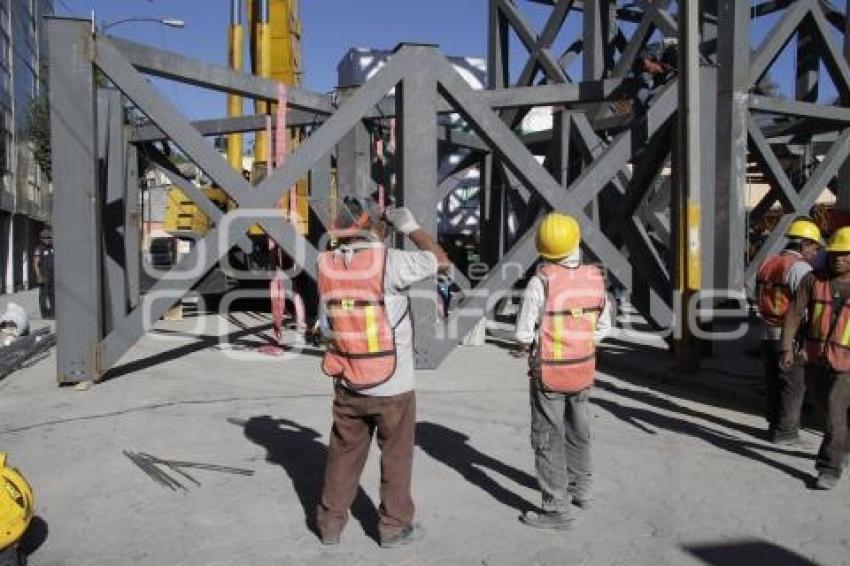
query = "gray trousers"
{"x": 560, "y": 436}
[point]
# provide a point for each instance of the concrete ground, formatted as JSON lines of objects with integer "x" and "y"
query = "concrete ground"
{"x": 679, "y": 480}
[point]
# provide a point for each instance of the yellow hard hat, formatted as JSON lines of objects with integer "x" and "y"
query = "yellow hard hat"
{"x": 804, "y": 228}
{"x": 16, "y": 504}
{"x": 557, "y": 236}
{"x": 840, "y": 241}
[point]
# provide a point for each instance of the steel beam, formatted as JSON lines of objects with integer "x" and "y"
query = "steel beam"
{"x": 110, "y": 61}
{"x": 596, "y": 21}
{"x": 776, "y": 40}
{"x": 210, "y": 249}
{"x": 176, "y": 67}
{"x": 831, "y": 54}
{"x": 222, "y": 126}
{"x": 733, "y": 82}
{"x": 416, "y": 101}
{"x": 660, "y": 17}
{"x": 76, "y": 202}
{"x": 773, "y": 171}
{"x": 113, "y": 160}
{"x": 843, "y": 186}
{"x": 517, "y": 158}
{"x": 686, "y": 210}
{"x": 786, "y": 107}
{"x": 132, "y": 226}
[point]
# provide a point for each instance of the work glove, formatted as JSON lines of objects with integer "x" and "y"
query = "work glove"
{"x": 402, "y": 220}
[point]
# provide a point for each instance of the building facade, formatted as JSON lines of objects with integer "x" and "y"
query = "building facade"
{"x": 25, "y": 192}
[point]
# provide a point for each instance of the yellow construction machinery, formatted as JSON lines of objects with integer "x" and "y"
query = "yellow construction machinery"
{"x": 275, "y": 46}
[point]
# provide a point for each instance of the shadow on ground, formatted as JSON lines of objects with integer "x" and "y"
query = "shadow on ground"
{"x": 298, "y": 450}
{"x": 453, "y": 449}
{"x": 640, "y": 418}
{"x": 746, "y": 553}
{"x": 248, "y": 337}
{"x": 34, "y": 536}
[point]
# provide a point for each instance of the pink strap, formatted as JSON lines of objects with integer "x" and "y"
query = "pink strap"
{"x": 280, "y": 138}
{"x": 379, "y": 155}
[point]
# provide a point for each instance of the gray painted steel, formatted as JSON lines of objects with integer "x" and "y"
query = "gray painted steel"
{"x": 604, "y": 165}
{"x": 76, "y": 204}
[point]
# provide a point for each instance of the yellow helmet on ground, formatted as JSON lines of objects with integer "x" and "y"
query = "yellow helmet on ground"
{"x": 16, "y": 504}
{"x": 839, "y": 243}
{"x": 804, "y": 228}
{"x": 558, "y": 236}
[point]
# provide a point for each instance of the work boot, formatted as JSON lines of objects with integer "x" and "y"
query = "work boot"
{"x": 580, "y": 497}
{"x": 792, "y": 441}
{"x": 407, "y": 535}
{"x": 826, "y": 481}
{"x": 547, "y": 520}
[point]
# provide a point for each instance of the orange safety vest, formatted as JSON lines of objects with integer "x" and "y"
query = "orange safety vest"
{"x": 774, "y": 295}
{"x": 828, "y": 337}
{"x": 575, "y": 297}
{"x": 362, "y": 350}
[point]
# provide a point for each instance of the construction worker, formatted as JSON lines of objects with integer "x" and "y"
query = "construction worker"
{"x": 824, "y": 295}
{"x": 362, "y": 289}
{"x": 44, "y": 274}
{"x": 777, "y": 281}
{"x": 564, "y": 314}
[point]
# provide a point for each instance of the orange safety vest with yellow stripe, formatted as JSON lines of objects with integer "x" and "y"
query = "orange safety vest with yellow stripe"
{"x": 828, "y": 337}
{"x": 362, "y": 351}
{"x": 575, "y": 297}
{"x": 774, "y": 295}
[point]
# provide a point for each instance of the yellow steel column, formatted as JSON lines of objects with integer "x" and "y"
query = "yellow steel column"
{"x": 688, "y": 269}
{"x": 234, "y": 102}
{"x": 262, "y": 35}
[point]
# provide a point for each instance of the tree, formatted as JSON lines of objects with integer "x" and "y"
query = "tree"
{"x": 38, "y": 132}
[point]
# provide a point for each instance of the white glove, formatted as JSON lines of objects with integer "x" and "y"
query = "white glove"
{"x": 402, "y": 220}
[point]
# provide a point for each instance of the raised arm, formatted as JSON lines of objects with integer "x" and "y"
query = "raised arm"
{"x": 403, "y": 221}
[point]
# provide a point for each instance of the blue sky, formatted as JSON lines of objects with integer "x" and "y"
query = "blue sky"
{"x": 330, "y": 28}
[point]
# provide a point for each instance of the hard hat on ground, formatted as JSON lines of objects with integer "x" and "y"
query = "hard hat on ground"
{"x": 839, "y": 243}
{"x": 805, "y": 229}
{"x": 558, "y": 236}
{"x": 16, "y": 504}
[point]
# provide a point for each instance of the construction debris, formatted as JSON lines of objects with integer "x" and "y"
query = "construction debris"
{"x": 23, "y": 348}
{"x": 14, "y": 323}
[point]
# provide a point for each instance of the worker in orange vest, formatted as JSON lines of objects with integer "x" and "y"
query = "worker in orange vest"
{"x": 778, "y": 278}
{"x": 564, "y": 314}
{"x": 362, "y": 295}
{"x": 825, "y": 296}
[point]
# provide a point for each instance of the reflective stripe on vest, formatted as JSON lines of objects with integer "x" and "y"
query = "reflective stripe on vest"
{"x": 362, "y": 350}
{"x": 567, "y": 351}
{"x": 827, "y": 342}
{"x": 773, "y": 294}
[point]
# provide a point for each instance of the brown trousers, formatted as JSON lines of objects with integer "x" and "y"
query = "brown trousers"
{"x": 831, "y": 394}
{"x": 355, "y": 419}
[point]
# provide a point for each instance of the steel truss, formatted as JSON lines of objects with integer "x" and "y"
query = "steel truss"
{"x": 604, "y": 166}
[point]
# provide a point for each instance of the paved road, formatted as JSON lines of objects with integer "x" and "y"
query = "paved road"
{"x": 679, "y": 481}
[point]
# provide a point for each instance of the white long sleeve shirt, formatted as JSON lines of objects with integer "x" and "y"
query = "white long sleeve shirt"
{"x": 533, "y": 302}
